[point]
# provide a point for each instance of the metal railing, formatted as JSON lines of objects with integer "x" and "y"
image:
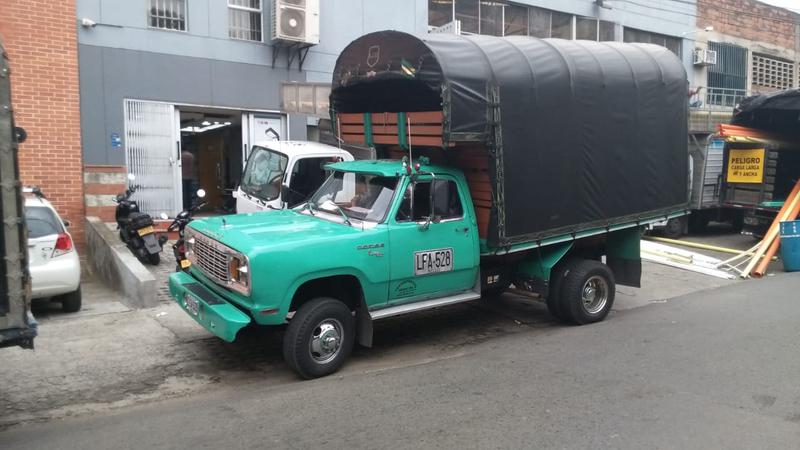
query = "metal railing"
{"x": 713, "y": 98}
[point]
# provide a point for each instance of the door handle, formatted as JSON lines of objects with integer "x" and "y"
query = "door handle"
{"x": 462, "y": 230}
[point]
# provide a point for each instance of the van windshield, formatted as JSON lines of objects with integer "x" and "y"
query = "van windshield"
{"x": 359, "y": 196}
{"x": 264, "y": 173}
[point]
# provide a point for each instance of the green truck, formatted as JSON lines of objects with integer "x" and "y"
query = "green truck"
{"x": 17, "y": 325}
{"x": 493, "y": 171}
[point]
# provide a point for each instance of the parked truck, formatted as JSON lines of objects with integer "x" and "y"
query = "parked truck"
{"x": 762, "y": 157}
{"x": 504, "y": 161}
{"x": 298, "y": 165}
{"x": 17, "y": 326}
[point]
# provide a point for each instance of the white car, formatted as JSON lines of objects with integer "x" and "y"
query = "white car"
{"x": 52, "y": 259}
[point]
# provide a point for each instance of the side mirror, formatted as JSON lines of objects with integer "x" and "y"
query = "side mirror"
{"x": 66, "y": 223}
{"x": 163, "y": 216}
{"x": 290, "y": 196}
{"x": 21, "y": 134}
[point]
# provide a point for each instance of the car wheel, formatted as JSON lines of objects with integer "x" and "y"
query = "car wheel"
{"x": 319, "y": 337}
{"x": 586, "y": 291}
{"x": 71, "y": 302}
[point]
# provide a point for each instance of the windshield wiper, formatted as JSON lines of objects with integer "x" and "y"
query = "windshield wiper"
{"x": 328, "y": 203}
{"x": 308, "y": 206}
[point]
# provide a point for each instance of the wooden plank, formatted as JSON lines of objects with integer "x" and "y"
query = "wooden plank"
{"x": 353, "y": 129}
{"x": 426, "y": 117}
{"x": 351, "y": 118}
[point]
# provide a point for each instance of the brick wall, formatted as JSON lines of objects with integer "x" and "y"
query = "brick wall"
{"x": 749, "y": 19}
{"x": 41, "y": 42}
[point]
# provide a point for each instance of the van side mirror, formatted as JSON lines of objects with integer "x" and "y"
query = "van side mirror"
{"x": 290, "y": 196}
{"x": 66, "y": 223}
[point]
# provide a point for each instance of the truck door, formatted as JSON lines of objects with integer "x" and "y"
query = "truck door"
{"x": 435, "y": 258}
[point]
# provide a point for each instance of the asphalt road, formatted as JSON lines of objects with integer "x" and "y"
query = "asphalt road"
{"x": 714, "y": 369}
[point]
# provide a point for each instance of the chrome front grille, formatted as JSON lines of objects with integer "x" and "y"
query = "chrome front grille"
{"x": 211, "y": 258}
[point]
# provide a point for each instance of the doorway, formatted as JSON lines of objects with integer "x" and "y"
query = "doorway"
{"x": 211, "y": 159}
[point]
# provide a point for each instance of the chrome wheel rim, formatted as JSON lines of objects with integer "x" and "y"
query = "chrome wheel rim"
{"x": 326, "y": 341}
{"x": 594, "y": 295}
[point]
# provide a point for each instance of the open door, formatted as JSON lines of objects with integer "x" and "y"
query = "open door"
{"x": 259, "y": 127}
{"x": 153, "y": 155}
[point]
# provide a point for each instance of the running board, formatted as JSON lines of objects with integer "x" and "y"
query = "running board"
{"x": 423, "y": 305}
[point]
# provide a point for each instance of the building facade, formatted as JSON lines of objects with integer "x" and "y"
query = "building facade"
{"x": 163, "y": 77}
{"x": 756, "y": 50}
{"x": 41, "y": 43}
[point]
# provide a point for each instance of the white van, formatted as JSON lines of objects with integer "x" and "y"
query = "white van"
{"x": 271, "y": 165}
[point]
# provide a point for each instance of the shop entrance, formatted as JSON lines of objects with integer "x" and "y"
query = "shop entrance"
{"x": 175, "y": 149}
{"x": 211, "y": 156}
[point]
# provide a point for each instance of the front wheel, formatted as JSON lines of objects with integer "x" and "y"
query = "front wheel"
{"x": 319, "y": 337}
{"x": 586, "y": 291}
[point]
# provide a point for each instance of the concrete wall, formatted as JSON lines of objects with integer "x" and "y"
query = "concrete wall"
{"x": 116, "y": 266}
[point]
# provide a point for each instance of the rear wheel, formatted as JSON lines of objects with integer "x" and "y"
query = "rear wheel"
{"x": 556, "y": 275}
{"x": 153, "y": 259}
{"x": 674, "y": 228}
{"x": 319, "y": 337}
{"x": 71, "y": 302}
{"x": 586, "y": 291}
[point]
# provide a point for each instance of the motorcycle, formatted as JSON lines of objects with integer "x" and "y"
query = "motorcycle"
{"x": 180, "y": 222}
{"x": 136, "y": 229}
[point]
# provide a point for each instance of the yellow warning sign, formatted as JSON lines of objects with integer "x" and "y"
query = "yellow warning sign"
{"x": 746, "y": 165}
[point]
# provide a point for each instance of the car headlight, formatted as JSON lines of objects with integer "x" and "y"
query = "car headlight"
{"x": 239, "y": 274}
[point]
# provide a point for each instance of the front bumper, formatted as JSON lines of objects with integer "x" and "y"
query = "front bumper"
{"x": 214, "y": 313}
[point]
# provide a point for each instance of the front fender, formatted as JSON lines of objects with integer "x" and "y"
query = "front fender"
{"x": 374, "y": 293}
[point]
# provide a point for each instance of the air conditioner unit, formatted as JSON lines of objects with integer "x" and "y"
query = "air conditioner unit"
{"x": 295, "y": 21}
{"x": 704, "y": 57}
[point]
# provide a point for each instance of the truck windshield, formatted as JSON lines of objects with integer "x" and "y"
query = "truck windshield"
{"x": 263, "y": 175}
{"x": 360, "y": 196}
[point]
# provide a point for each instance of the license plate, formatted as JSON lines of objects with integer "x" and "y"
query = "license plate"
{"x": 185, "y": 263}
{"x": 191, "y": 304}
{"x": 145, "y": 231}
{"x": 433, "y": 261}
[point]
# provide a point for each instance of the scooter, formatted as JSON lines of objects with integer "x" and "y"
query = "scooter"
{"x": 180, "y": 222}
{"x": 136, "y": 228}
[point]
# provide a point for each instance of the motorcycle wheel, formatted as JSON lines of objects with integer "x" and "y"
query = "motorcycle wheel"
{"x": 154, "y": 259}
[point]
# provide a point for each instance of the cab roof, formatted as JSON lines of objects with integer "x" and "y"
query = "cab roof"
{"x": 382, "y": 167}
{"x": 301, "y": 147}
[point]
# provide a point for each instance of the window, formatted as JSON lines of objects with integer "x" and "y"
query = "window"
{"x": 467, "y": 13}
{"x": 606, "y": 32}
{"x": 263, "y": 174}
{"x": 516, "y": 21}
{"x": 168, "y": 14}
{"x": 41, "y": 222}
{"x": 356, "y": 195}
{"x": 446, "y": 202}
{"x": 244, "y": 20}
{"x": 539, "y": 23}
{"x": 772, "y": 73}
{"x": 307, "y": 175}
{"x": 561, "y": 25}
{"x": 673, "y": 44}
{"x": 586, "y": 29}
{"x": 440, "y": 12}
{"x": 491, "y": 18}
{"x": 727, "y": 79}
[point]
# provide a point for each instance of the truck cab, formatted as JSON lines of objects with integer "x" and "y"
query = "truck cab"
{"x": 282, "y": 174}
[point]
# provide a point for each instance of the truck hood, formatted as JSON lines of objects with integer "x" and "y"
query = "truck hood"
{"x": 246, "y": 232}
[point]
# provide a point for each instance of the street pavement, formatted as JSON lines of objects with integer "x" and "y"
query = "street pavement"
{"x": 712, "y": 369}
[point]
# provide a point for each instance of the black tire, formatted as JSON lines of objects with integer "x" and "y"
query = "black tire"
{"x": 153, "y": 259}
{"x": 738, "y": 223}
{"x": 319, "y": 317}
{"x": 573, "y": 284}
{"x": 698, "y": 223}
{"x": 556, "y": 275}
{"x": 71, "y": 302}
{"x": 674, "y": 228}
{"x": 495, "y": 291}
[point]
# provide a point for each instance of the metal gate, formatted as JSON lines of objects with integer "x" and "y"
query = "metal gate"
{"x": 727, "y": 80}
{"x": 153, "y": 155}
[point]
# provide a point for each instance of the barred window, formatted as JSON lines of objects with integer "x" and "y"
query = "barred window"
{"x": 168, "y": 14}
{"x": 772, "y": 73}
{"x": 244, "y": 19}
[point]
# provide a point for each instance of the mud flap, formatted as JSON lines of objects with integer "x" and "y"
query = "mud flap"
{"x": 623, "y": 256}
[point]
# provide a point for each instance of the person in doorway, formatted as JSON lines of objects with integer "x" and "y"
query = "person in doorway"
{"x": 189, "y": 177}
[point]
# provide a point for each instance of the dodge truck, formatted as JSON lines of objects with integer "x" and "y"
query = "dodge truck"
{"x": 502, "y": 161}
